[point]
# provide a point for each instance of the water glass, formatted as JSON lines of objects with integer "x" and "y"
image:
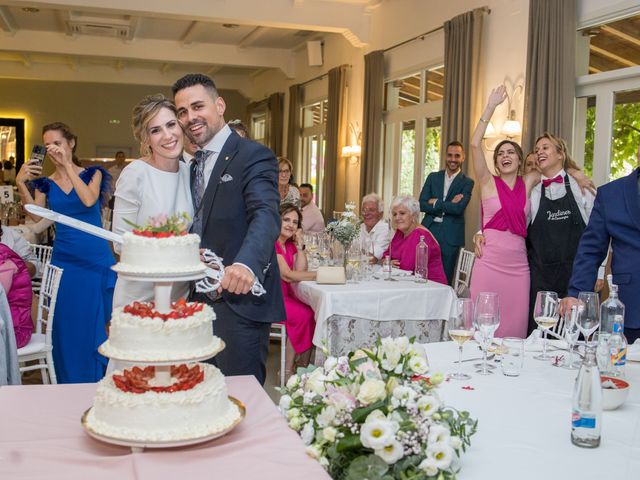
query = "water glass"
{"x": 486, "y": 321}
{"x": 571, "y": 333}
{"x": 603, "y": 351}
{"x": 545, "y": 313}
{"x": 588, "y": 313}
{"x": 512, "y": 356}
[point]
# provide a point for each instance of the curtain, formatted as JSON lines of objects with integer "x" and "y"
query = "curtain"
{"x": 294, "y": 127}
{"x": 462, "y": 102}
{"x": 276, "y": 122}
{"x": 371, "y": 159}
{"x": 550, "y": 79}
{"x": 335, "y": 140}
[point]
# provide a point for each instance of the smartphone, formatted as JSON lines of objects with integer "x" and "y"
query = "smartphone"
{"x": 38, "y": 152}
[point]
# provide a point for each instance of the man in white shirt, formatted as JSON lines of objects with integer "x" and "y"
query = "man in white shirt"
{"x": 18, "y": 244}
{"x": 312, "y": 219}
{"x": 374, "y": 231}
{"x": 559, "y": 214}
{"x": 116, "y": 169}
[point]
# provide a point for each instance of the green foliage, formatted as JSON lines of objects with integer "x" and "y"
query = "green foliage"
{"x": 407, "y": 161}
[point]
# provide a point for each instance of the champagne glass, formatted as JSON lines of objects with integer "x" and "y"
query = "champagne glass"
{"x": 460, "y": 330}
{"x": 571, "y": 333}
{"x": 545, "y": 313}
{"x": 487, "y": 320}
{"x": 589, "y": 316}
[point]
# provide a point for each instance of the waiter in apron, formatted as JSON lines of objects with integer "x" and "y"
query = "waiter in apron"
{"x": 557, "y": 224}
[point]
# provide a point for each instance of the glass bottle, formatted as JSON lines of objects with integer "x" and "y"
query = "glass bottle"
{"x": 586, "y": 418}
{"x": 611, "y": 307}
{"x": 422, "y": 261}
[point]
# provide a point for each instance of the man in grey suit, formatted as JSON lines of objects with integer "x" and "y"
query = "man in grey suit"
{"x": 444, "y": 198}
{"x": 234, "y": 183}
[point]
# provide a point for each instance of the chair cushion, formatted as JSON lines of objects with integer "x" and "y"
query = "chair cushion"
{"x": 35, "y": 345}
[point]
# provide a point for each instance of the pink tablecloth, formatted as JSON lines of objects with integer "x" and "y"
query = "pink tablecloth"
{"x": 41, "y": 437}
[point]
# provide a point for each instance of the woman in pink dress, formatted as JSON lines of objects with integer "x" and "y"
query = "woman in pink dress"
{"x": 16, "y": 281}
{"x": 300, "y": 322}
{"x": 404, "y": 212}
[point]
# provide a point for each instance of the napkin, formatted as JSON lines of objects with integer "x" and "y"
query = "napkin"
{"x": 633, "y": 351}
{"x": 395, "y": 272}
{"x": 534, "y": 343}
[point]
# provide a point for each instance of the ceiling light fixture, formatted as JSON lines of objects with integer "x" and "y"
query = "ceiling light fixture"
{"x": 30, "y": 10}
{"x": 230, "y": 25}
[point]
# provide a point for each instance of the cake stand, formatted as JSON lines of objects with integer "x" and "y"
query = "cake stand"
{"x": 162, "y": 297}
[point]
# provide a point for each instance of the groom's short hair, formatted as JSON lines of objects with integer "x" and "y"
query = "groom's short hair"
{"x": 193, "y": 79}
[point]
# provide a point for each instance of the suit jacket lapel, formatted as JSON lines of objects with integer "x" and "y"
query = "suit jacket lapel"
{"x": 631, "y": 197}
{"x": 226, "y": 156}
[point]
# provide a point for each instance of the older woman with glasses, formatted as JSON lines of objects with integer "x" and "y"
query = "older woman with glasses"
{"x": 404, "y": 213}
{"x": 289, "y": 194}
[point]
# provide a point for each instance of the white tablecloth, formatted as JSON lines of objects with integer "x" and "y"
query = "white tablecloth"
{"x": 376, "y": 300}
{"x": 524, "y": 423}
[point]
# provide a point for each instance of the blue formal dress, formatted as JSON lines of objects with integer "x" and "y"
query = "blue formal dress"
{"x": 86, "y": 290}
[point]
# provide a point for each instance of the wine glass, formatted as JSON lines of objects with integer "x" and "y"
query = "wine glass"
{"x": 461, "y": 329}
{"x": 487, "y": 320}
{"x": 354, "y": 260}
{"x": 545, "y": 313}
{"x": 589, "y": 316}
{"x": 571, "y": 333}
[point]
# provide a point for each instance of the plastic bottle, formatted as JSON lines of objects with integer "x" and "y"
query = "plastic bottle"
{"x": 618, "y": 348}
{"x": 586, "y": 418}
{"x": 611, "y": 307}
{"x": 422, "y": 261}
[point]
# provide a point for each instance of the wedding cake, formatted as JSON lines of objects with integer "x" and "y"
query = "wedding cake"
{"x": 140, "y": 333}
{"x": 133, "y": 404}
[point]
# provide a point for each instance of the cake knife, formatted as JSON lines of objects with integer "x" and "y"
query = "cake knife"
{"x": 72, "y": 222}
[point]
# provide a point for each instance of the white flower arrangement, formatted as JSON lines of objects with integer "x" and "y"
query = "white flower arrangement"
{"x": 347, "y": 229}
{"x": 373, "y": 414}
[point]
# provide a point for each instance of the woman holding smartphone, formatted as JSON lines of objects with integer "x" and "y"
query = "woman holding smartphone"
{"x": 86, "y": 289}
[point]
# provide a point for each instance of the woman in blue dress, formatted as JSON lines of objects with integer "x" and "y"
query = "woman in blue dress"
{"x": 84, "y": 299}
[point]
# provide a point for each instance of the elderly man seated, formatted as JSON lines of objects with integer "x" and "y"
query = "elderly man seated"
{"x": 374, "y": 231}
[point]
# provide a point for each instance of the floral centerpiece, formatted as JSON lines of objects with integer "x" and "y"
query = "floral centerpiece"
{"x": 374, "y": 414}
{"x": 163, "y": 226}
{"x": 346, "y": 229}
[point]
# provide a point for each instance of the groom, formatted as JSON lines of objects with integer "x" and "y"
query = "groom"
{"x": 234, "y": 183}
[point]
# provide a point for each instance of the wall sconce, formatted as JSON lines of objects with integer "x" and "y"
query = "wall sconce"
{"x": 352, "y": 152}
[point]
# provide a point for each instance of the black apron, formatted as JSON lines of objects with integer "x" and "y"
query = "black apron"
{"x": 552, "y": 242}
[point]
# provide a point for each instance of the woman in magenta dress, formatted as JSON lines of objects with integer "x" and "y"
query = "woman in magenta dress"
{"x": 300, "y": 322}
{"x": 404, "y": 212}
{"x": 16, "y": 281}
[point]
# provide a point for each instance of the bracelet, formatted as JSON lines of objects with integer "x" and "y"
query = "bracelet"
{"x": 483, "y": 120}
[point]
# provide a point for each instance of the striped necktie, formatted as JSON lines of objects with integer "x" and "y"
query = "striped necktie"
{"x": 197, "y": 188}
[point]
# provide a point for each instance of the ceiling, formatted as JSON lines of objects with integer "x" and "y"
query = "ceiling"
{"x": 614, "y": 45}
{"x": 122, "y": 41}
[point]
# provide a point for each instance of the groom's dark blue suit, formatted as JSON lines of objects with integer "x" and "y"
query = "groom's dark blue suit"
{"x": 240, "y": 223}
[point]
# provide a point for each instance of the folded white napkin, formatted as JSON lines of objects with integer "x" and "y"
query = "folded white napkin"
{"x": 633, "y": 351}
{"x": 395, "y": 272}
{"x": 534, "y": 342}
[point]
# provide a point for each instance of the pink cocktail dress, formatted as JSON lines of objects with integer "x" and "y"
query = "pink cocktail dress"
{"x": 404, "y": 249}
{"x": 300, "y": 322}
{"x": 503, "y": 267}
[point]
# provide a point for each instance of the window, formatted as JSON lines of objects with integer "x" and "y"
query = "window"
{"x": 608, "y": 99}
{"x": 259, "y": 127}
{"x": 314, "y": 123}
{"x": 413, "y": 108}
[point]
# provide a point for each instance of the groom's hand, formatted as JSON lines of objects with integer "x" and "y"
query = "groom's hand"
{"x": 237, "y": 279}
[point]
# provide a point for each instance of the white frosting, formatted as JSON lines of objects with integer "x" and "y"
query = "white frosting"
{"x": 154, "y": 339}
{"x": 162, "y": 417}
{"x": 160, "y": 255}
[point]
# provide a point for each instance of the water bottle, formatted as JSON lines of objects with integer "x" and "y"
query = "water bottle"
{"x": 422, "y": 261}
{"x": 586, "y": 417}
{"x": 611, "y": 307}
{"x": 618, "y": 348}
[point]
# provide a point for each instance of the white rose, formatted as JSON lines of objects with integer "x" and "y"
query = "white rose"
{"x": 404, "y": 393}
{"x": 313, "y": 451}
{"x": 371, "y": 391}
{"x": 295, "y": 423}
{"x": 293, "y": 412}
{"x": 439, "y": 434}
{"x": 308, "y": 397}
{"x": 417, "y": 349}
{"x": 330, "y": 363}
{"x": 326, "y": 416}
{"x": 293, "y": 382}
{"x": 428, "y": 465}
{"x": 427, "y": 405}
{"x": 391, "y": 453}
{"x": 284, "y": 404}
{"x": 402, "y": 343}
{"x": 418, "y": 365}
{"x": 455, "y": 442}
{"x": 315, "y": 382}
{"x": 329, "y": 434}
{"x": 441, "y": 454}
{"x": 377, "y": 433}
{"x": 375, "y": 415}
{"x": 307, "y": 433}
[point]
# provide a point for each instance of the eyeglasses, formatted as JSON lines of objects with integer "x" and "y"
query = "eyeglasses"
{"x": 284, "y": 171}
{"x": 369, "y": 210}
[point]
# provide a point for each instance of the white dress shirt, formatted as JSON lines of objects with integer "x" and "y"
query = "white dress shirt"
{"x": 557, "y": 190}
{"x": 378, "y": 237}
{"x": 448, "y": 180}
{"x": 215, "y": 146}
{"x": 312, "y": 219}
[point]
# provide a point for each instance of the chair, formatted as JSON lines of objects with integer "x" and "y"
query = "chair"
{"x": 40, "y": 347}
{"x": 279, "y": 332}
{"x": 43, "y": 253}
{"x": 462, "y": 277}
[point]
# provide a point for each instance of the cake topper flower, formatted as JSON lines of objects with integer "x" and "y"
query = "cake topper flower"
{"x": 163, "y": 226}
